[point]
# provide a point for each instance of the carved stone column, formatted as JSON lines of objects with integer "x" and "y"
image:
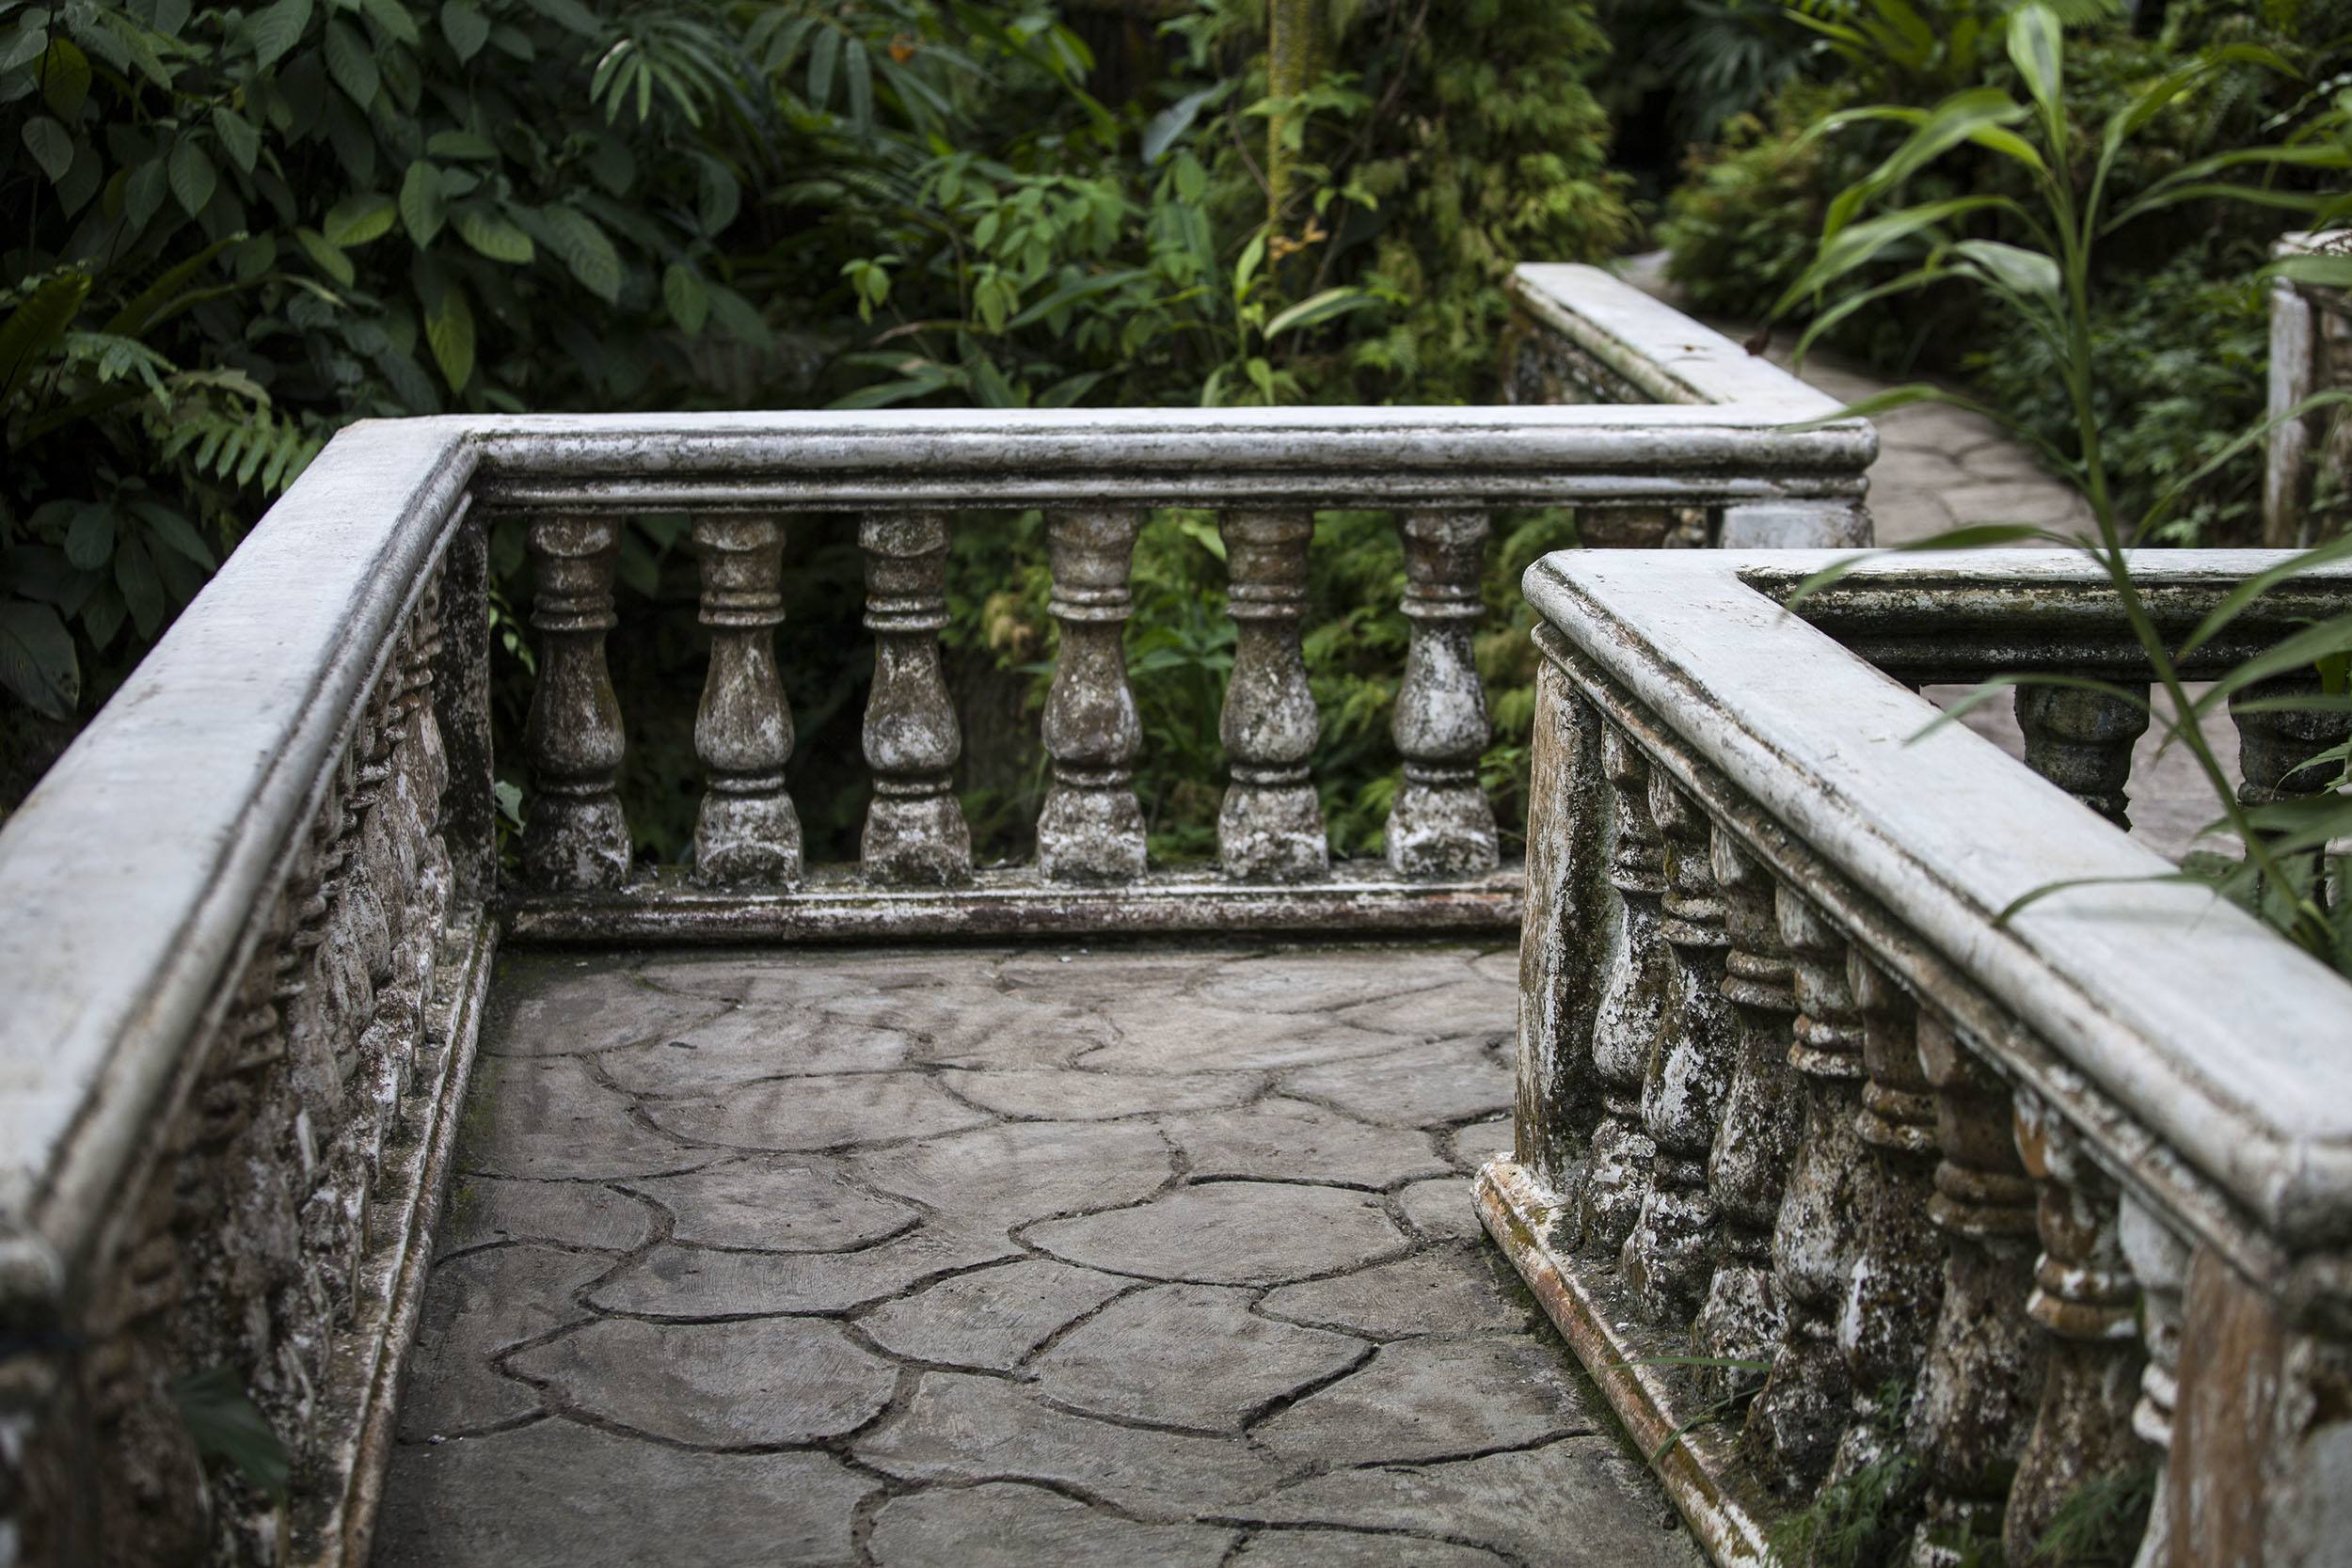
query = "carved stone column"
{"x": 1271, "y": 827}
{"x": 575, "y": 838}
{"x": 1441, "y": 824}
{"x": 1982, "y": 1379}
{"x": 2082, "y": 742}
{"x": 915, "y": 829}
{"x": 2274, "y": 748}
{"x": 1794, "y": 1425}
{"x": 1617, "y": 1174}
{"x": 2159, "y": 1261}
{"x": 1558, "y": 1098}
{"x": 747, "y": 831}
{"x": 1896, "y": 1282}
{"x": 1091, "y": 828}
{"x": 1761, "y": 1118}
{"x": 1668, "y": 1258}
{"x": 2085, "y": 1296}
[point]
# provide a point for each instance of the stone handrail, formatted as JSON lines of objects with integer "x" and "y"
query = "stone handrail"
{"x": 1974, "y": 1222}
{"x": 2311, "y": 350}
{"x": 246, "y": 920}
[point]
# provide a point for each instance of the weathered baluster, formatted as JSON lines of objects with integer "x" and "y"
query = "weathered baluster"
{"x": 1441, "y": 825}
{"x": 1758, "y": 1137}
{"x": 1271, "y": 827}
{"x": 2274, "y": 748}
{"x": 1896, "y": 1282}
{"x": 1983, "y": 1377}
{"x": 577, "y": 837}
{"x": 2084, "y": 1294}
{"x": 1669, "y": 1257}
{"x": 1558, "y": 1101}
{"x": 915, "y": 829}
{"x": 2082, "y": 742}
{"x": 1617, "y": 1174}
{"x": 1794, "y": 1425}
{"x": 2159, "y": 1261}
{"x": 1091, "y": 828}
{"x": 747, "y": 831}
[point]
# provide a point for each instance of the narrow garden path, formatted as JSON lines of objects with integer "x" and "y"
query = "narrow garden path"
{"x": 1941, "y": 467}
{"x": 997, "y": 1260}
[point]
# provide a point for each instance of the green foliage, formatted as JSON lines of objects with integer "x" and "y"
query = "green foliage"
{"x": 2076, "y": 209}
{"x": 223, "y": 1424}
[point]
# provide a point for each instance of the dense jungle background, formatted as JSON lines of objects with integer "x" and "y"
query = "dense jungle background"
{"x": 230, "y": 231}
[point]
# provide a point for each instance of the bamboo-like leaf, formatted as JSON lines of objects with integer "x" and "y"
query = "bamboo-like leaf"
{"x": 1974, "y": 536}
{"x": 1321, "y": 307}
{"x": 1860, "y": 243}
{"x": 2299, "y": 651}
{"x": 2242, "y": 597}
{"x": 36, "y": 327}
{"x": 2036, "y": 47}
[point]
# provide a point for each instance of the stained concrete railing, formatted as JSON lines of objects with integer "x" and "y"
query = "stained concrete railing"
{"x": 2310, "y": 352}
{"x": 1885, "y": 1221}
{"x": 246, "y": 923}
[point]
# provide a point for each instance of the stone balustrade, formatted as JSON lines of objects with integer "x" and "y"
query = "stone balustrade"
{"x": 1882, "y": 1213}
{"x": 247, "y": 922}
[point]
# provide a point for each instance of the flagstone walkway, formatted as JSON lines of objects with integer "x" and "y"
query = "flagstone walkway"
{"x": 971, "y": 1259}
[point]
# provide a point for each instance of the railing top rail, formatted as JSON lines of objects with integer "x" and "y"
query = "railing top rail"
{"x": 2217, "y": 1036}
{"x": 128, "y": 874}
{"x": 1223, "y": 456}
{"x": 1656, "y": 347}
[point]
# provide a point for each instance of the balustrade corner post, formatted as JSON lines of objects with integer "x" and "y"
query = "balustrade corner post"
{"x": 2085, "y": 1297}
{"x": 1271, "y": 825}
{"x": 1983, "y": 1377}
{"x": 1561, "y": 946}
{"x": 1669, "y": 1259}
{"x": 1756, "y": 1137}
{"x": 915, "y": 829}
{"x": 2159, "y": 1261}
{"x": 746, "y": 831}
{"x": 1616, "y": 1176}
{"x": 1794, "y": 1426}
{"x": 1441, "y": 825}
{"x": 1091, "y": 827}
{"x": 577, "y": 838}
{"x": 2082, "y": 742}
{"x": 461, "y": 700}
{"x": 1895, "y": 1284}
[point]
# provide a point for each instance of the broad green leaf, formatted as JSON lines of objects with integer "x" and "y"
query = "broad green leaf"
{"x": 683, "y": 293}
{"x": 1171, "y": 122}
{"x": 36, "y": 326}
{"x": 143, "y": 192}
{"x": 91, "y": 538}
{"x": 570, "y": 15}
{"x": 329, "y": 255}
{"x": 718, "y": 196}
{"x": 222, "y": 1423}
{"x": 2035, "y": 47}
{"x": 275, "y": 29}
{"x": 238, "y": 138}
{"x": 422, "y": 206}
{"x": 356, "y": 219}
{"x": 141, "y": 585}
{"x": 1321, "y": 307}
{"x": 65, "y": 79}
{"x": 822, "y": 56}
{"x": 460, "y": 144}
{"x": 393, "y": 18}
{"x": 193, "y": 179}
{"x": 37, "y": 660}
{"x": 465, "y": 28}
{"x": 491, "y": 235}
{"x": 449, "y": 331}
{"x": 352, "y": 63}
{"x": 174, "y": 530}
{"x": 50, "y": 145}
{"x": 574, "y": 235}
{"x": 2025, "y": 272}
{"x": 859, "y": 75}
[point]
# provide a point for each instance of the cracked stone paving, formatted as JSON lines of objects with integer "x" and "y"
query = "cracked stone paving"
{"x": 978, "y": 1257}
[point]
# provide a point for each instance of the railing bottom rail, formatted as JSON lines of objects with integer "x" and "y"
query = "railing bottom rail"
{"x": 840, "y": 907}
